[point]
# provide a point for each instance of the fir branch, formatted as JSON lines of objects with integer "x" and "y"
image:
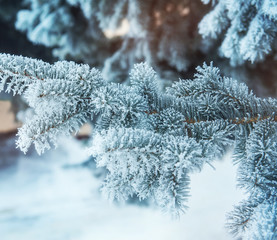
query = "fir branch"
{"x": 150, "y": 141}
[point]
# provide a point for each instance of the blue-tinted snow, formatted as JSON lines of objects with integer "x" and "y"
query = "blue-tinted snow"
{"x": 41, "y": 199}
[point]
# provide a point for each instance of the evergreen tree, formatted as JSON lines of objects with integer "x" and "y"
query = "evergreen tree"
{"x": 165, "y": 34}
{"x": 162, "y": 33}
{"x": 248, "y": 28}
{"x": 149, "y": 140}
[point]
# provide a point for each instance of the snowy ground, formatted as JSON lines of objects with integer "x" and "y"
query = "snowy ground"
{"x": 41, "y": 199}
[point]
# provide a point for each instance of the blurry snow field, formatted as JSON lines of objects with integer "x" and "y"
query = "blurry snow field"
{"x": 40, "y": 199}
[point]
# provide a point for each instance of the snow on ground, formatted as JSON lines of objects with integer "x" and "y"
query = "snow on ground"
{"x": 41, "y": 199}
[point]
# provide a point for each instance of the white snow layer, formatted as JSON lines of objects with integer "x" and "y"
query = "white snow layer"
{"x": 41, "y": 199}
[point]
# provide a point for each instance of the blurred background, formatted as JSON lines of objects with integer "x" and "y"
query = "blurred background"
{"x": 57, "y": 195}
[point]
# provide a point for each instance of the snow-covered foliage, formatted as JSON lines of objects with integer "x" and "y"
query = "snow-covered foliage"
{"x": 150, "y": 141}
{"x": 257, "y": 160}
{"x": 247, "y": 28}
{"x": 162, "y": 33}
{"x": 63, "y": 26}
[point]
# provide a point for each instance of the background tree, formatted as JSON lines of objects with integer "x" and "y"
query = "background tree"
{"x": 248, "y": 29}
{"x": 162, "y": 33}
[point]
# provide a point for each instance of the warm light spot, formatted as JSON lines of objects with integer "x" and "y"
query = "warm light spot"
{"x": 184, "y": 11}
{"x": 7, "y": 118}
{"x": 121, "y": 31}
{"x": 84, "y": 131}
{"x": 169, "y": 7}
{"x": 158, "y": 19}
{"x": 157, "y": 14}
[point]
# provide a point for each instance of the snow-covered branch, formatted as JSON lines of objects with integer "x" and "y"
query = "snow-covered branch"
{"x": 149, "y": 140}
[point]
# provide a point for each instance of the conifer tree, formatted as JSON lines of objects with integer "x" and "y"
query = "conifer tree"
{"x": 150, "y": 141}
{"x": 248, "y": 28}
{"x": 163, "y": 33}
